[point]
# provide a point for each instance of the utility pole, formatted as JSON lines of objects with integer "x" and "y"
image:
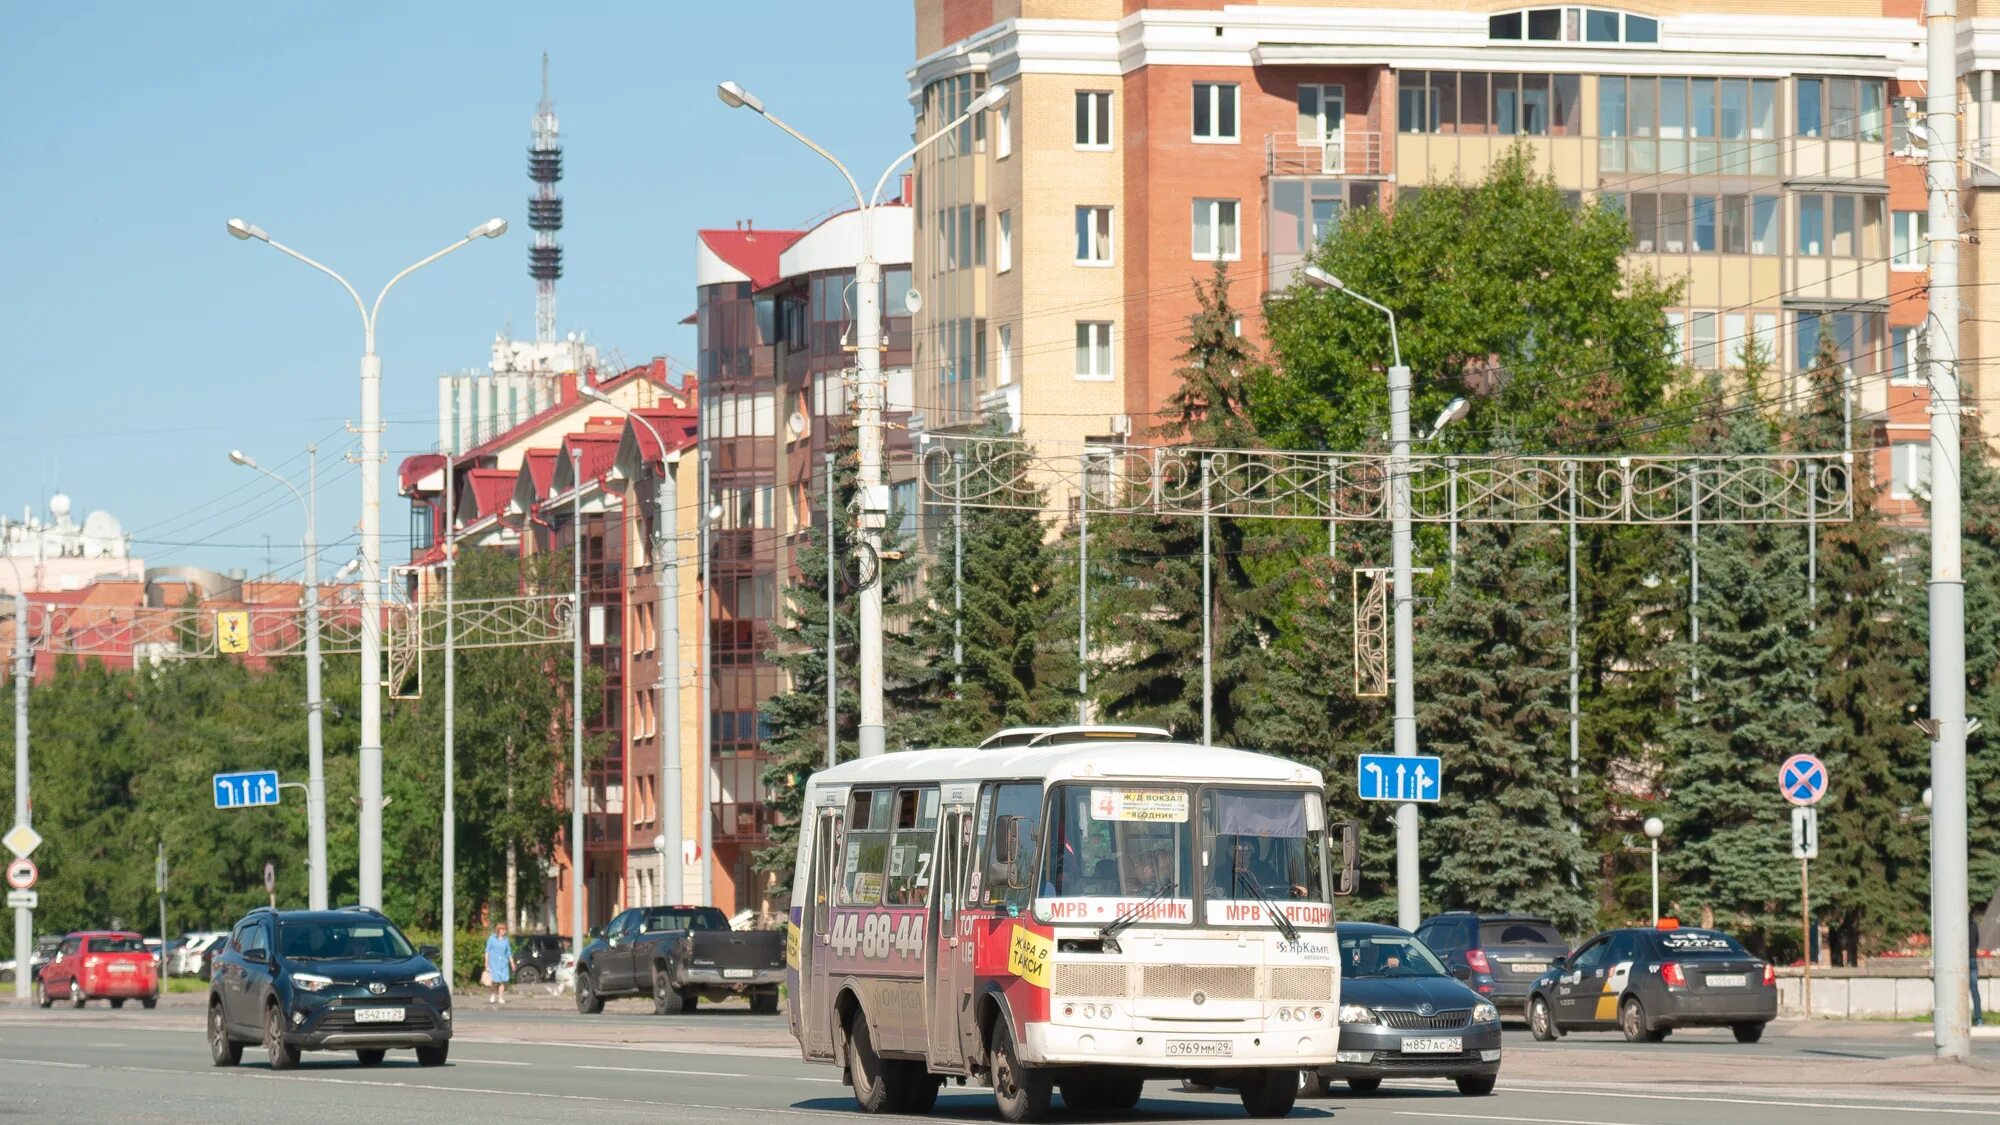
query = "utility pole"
{"x": 832, "y": 627}
{"x": 160, "y": 886}
{"x": 24, "y": 917}
{"x": 1082, "y": 593}
{"x": 1951, "y": 1015}
{"x": 450, "y": 872}
{"x": 958, "y": 578}
{"x": 667, "y": 608}
{"x": 1207, "y": 618}
{"x": 316, "y": 894}
{"x": 577, "y": 846}
{"x": 1408, "y": 905}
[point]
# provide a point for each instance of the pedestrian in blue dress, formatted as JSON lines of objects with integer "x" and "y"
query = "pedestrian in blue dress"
{"x": 499, "y": 963}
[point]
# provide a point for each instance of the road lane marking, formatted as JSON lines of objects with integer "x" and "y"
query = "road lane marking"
{"x": 49, "y": 1062}
{"x": 657, "y": 1070}
{"x": 1880, "y": 1107}
{"x": 1498, "y": 1117}
{"x": 492, "y": 1062}
{"x": 814, "y": 1114}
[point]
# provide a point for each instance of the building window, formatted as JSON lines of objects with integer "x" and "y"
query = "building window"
{"x": 1910, "y": 230}
{"x": 1005, "y": 373}
{"x": 1572, "y": 25}
{"x": 1003, "y": 250}
{"x": 1909, "y": 469}
{"x": 1857, "y": 339}
{"x": 1844, "y": 109}
{"x": 1093, "y": 349}
{"x": 1003, "y": 138}
{"x": 1526, "y": 105}
{"x": 1745, "y": 338}
{"x": 1906, "y": 359}
{"x": 1093, "y": 119}
{"x": 1093, "y": 236}
{"x": 1322, "y": 113}
{"x": 1842, "y": 225}
{"x": 1215, "y": 234}
{"x": 1215, "y": 112}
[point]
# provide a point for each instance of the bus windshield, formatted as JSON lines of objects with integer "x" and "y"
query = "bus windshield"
{"x": 1264, "y": 843}
{"x": 1120, "y": 841}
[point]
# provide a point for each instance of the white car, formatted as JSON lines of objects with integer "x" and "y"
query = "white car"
{"x": 187, "y": 959}
{"x": 566, "y": 973}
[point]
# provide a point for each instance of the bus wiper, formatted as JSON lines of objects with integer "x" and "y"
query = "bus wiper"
{"x": 1278, "y": 918}
{"x": 1131, "y": 915}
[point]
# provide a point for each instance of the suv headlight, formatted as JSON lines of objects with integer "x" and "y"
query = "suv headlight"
{"x": 432, "y": 979}
{"x": 1484, "y": 1013}
{"x": 1356, "y": 1013}
{"x": 311, "y": 982}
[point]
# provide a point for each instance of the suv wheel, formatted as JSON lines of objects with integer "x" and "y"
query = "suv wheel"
{"x": 433, "y": 1056}
{"x": 284, "y": 1056}
{"x": 588, "y": 1002}
{"x": 222, "y": 1050}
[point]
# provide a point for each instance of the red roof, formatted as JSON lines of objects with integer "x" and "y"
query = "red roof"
{"x": 754, "y": 252}
{"x": 541, "y": 467}
{"x": 676, "y": 427}
{"x": 599, "y": 450}
{"x": 417, "y": 468}
{"x": 490, "y": 490}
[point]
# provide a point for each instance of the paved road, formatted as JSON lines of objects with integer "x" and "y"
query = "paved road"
{"x": 543, "y": 1066}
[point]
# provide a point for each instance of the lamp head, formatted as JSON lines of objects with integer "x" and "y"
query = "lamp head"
{"x": 1458, "y": 408}
{"x": 589, "y": 391}
{"x": 491, "y": 228}
{"x": 993, "y": 96}
{"x": 242, "y": 458}
{"x": 240, "y": 229}
{"x": 1654, "y": 827}
{"x": 346, "y": 572}
{"x": 1321, "y": 279}
{"x": 736, "y": 97}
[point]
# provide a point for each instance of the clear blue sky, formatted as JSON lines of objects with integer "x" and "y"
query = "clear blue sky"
{"x": 145, "y": 343}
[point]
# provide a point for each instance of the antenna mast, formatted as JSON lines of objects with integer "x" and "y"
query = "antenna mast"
{"x": 545, "y": 211}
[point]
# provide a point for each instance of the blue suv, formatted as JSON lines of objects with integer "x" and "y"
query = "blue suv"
{"x": 326, "y": 980}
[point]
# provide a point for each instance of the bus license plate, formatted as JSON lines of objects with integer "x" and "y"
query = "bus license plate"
{"x": 1441, "y": 1045}
{"x": 378, "y": 1015}
{"x": 1200, "y": 1048}
{"x": 1727, "y": 980}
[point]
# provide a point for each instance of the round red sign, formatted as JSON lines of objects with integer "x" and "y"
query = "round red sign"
{"x": 21, "y": 874}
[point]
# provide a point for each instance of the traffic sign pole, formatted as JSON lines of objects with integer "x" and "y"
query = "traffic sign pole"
{"x": 1805, "y": 929}
{"x": 24, "y": 915}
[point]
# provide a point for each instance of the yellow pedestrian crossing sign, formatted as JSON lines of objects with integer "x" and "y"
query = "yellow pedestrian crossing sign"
{"x": 232, "y": 630}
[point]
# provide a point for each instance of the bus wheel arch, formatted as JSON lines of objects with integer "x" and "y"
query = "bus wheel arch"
{"x": 992, "y": 1009}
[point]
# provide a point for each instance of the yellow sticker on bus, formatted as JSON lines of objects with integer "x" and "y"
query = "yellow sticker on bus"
{"x": 1028, "y": 956}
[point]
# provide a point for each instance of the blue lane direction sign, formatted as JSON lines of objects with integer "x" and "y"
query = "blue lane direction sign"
{"x": 1400, "y": 777}
{"x": 1802, "y": 779}
{"x": 245, "y": 790}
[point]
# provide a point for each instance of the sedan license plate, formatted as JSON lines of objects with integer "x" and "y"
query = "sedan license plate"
{"x": 1438, "y": 1045}
{"x": 1200, "y": 1048}
{"x": 378, "y": 1015}
{"x": 1727, "y": 980}
{"x": 738, "y": 974}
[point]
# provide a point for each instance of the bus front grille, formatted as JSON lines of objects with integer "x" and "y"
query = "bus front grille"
{"x": 1301, "y": 984}
{"x": 1088, "y": 980}
{"x": 1216, "y": 982}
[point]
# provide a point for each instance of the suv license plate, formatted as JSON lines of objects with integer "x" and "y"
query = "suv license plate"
{"x": 1727, "y": 980}
{"x": 1200, "y": 1049}
{"x": 1537, "y": 968}
{"x": 739, "y": 974}
{"x": 378, "y": 1015}
{"x": 1441, "y": 1045}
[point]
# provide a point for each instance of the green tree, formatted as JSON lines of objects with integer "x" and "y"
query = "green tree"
{"x": 1492, "y": 673}
{"x": 1979, "y": 484}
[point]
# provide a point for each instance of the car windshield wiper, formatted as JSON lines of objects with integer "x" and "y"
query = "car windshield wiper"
{"x": 1278, "y": 918}
{"x": 1132, "y": 914}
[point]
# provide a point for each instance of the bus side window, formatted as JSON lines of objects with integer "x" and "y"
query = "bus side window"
{"x": 1013, "y": 802}
{"x": 910, "y": 847}
{"x": 867, "y": 852}
{"x": 826, "y": 857}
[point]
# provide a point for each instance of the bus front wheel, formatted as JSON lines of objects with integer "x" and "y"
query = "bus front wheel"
{"x": 1022, "y": 1092}
{"x": 1269, "y": 1093}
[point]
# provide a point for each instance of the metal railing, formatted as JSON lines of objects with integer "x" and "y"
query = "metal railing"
{"x": 1344, "y": 154}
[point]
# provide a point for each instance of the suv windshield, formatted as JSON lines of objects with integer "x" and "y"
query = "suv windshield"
{"x": 1517, "y": 931}
{"x": 1386, "y": 955}
{"x": 1269, "y": 840}
{"x": 358, "y": 940}
{"x": 1117, "y": 840}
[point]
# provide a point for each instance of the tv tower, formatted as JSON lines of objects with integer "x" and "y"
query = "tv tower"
{"x": 545, "y": 212}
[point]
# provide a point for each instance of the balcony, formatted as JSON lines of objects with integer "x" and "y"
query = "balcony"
{"x": 742, "y": 822}
{"x": 1347, "y": 154}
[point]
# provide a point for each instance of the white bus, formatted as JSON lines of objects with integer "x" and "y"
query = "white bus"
{"x": 1077, "y": 915}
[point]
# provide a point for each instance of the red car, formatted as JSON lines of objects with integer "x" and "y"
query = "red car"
{"x": 100, "y": 965}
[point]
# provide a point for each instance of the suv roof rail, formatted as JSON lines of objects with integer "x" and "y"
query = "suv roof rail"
{"x": 357, "y": 908}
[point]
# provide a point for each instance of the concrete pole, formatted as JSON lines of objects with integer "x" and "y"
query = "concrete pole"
{"x": 1656, "y": 881}
{"x": 1409, "y": 910}
{"x": 449, "y": 923}
{"x": 1694, "y": 583}
{"x": 24, "y": 918}
{"x": 1951, "y": 1001}
{"x": 1207, "y": 617}
{"x": 316, "y": 875}
{"x": 667, "y": 649}
{"x": 874, "y": 493}
{"x": 958, "y": 571}
{"x": 1083, "y": 597}
{"x": 832, "y": 625}
{"x": 705, "y": 825}
{"x": 1812, "y": 534}
{"x": 1451, "y": 478}
{"x": 578, "y": 847}
{"x": 370, "y": 750}
{"x": 1575, "y": 711}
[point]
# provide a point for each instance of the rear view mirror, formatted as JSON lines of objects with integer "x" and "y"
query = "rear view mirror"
{"x": 429, "y": 952}
{"x": 1462, "y": 972}
{"x": 1559, "y": 962}
{"x": 1349, "y": 878}
{"x": 1011, "y": 847}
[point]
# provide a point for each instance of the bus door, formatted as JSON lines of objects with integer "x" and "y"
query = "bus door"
{"x": 948, "y": 954}
{"x": 816, "y": 1019}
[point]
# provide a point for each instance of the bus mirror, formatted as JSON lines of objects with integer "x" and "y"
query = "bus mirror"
{"x": 1010, "y": 847}
{"x": 1350, "y": 860}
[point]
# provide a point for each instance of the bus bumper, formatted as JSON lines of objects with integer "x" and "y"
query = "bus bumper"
{"x": 1056, "y": 1045}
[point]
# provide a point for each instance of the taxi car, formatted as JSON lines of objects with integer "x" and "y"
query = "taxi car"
{"x": 1647, "y": 982}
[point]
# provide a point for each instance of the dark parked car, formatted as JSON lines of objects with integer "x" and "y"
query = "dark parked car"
{"x": 314, "y": 980}
{"x": 536, "y": 956}
{"x": 1645, "y": 983}
{"x": 677, "y": 955}
{"x": 1403, "y": 1016}
{"x": 1500, "y": 956}
{"x": 45, "y": 952}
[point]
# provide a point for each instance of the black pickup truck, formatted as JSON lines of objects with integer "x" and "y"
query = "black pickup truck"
{"x": 677, "y": 955}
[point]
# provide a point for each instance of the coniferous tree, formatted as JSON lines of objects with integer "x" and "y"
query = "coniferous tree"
{"x": 1979, "y": 490}
{"x": 1753, "y": 701}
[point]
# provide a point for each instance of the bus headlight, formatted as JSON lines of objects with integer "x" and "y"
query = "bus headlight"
{"x": 1356, "y": 1013}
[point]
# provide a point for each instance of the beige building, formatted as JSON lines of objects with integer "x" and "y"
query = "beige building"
{"x": 1757, "y": 149}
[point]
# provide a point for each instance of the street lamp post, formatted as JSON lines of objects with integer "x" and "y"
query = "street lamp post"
{"x": 667, "y": 648}
{"x": 315, "y": 704}
{"x": 1653, "y": 829}
{"x": 24, "y": 916}
{"x": 1408, "y": 906}
{"x": 370, "y": 750}
{"x": 870, "y": 393}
